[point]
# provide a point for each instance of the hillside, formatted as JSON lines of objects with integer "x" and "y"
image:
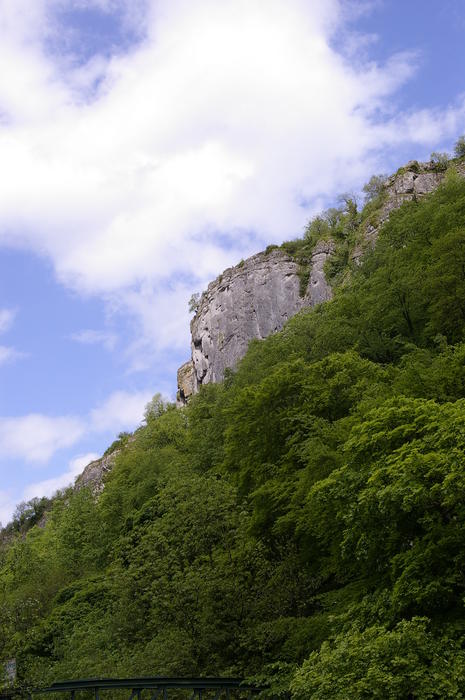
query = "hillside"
{"x": 301, "y": 522}
{"x": 259, "y": 295}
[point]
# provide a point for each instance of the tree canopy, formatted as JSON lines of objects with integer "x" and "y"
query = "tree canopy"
{"x": 302, "y": 522}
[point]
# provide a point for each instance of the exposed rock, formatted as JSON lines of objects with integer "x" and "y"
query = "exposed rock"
{"x": 185, "y": 383}
{"x": 318, "y": 288}
{"x": 94, "y": 474}
{"x": 425, "y": 183}
{"x": 257, "y": 297}
{"x": 41, "y": 523}
{"x": 251, "y": 300}
{"x": 407, "y": 185}
{"x": 461, "y": 168}
{"x": 403, "y": 183}
{"x": 412, "y": 182}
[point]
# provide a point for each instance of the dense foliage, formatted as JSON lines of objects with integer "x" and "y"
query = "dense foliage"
{"x": 303, "y": 522}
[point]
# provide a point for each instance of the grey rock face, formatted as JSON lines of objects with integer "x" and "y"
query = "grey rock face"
{"x": 404, "y": 183}
{"x": 251, "y": 300}
{"x": 426, "y": 182}
{"x": 413, "y": 182}
{"x": 257, "y": 297}
{"x": 185, "y": 383}
{"x": 417, "y": 180}
{"x": 318, "y": 289}
{"x": 93, "y": 475}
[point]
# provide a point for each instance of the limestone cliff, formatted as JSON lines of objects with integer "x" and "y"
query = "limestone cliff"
{"x": 410, "y": 183}
{"x": 251, "y": 300}
{"x": 93, "y": 475}
{"x": 256, "y": 297}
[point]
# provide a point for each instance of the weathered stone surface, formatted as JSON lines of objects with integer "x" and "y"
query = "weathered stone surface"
{"x": 318, "y": 288}
{"x": 413, "y": 182}
{"x": 404, "y": 183}
{"x": 251, "y": 300}
{"x": 425, "y": 183}
{"x": 461, "y": 168}
{"x": 94, "y": 474}
{"x": 257, "y": 297}
{"x": 185, "y": 383}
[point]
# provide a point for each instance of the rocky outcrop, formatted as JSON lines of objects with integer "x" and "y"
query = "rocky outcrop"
{"x": 94, "y": 474}
{"x": 251, "y": 300}
{"x": 185, "y": 383}
{"x": 318, "y": 289}
{"x": 257, "y": 297}
{"x": 410, "y": 183}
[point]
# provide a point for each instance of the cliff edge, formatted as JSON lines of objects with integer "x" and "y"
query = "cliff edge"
{"x": 256, "y": 297}
{"x": 251, "y": 300}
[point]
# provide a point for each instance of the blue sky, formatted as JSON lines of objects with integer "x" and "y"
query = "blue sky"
{"x": 147, "y": 145}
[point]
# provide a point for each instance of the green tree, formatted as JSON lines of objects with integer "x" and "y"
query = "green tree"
{"x": 194, "y": 302}
{"x": 439, "y": 160}
{"x": 374, "y": 187}
{"x": 459, "y": 148}
{"x": 405, "y": 662}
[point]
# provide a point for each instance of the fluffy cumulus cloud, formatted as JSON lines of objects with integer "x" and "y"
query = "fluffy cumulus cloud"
{"x": 144, "y": 160}
{"x": 142, "y": 173}
{"x": 36, "y": 438}
{"x": 122, "y": 410}
{"x": 48, "y": 487}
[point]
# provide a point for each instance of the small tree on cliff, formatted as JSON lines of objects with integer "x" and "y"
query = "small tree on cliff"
{"x": 155, "y": 407}
{"x": 194, "y": 302}
{"x": 374, "y": 187}
{"x": 459, "y": 148}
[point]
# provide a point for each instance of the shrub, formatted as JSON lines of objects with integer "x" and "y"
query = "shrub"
{"x": 317, "y": 229}
{"x": 194, "y": 302}
{"x": 293, "y": 247}
{"x": 440, "y": 161}
{"x": 374, "y": 187}
{"x": 459, "y": 148}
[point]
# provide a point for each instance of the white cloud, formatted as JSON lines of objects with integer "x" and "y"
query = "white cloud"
{"x": 6, "y": 319}
{"x": 9, "y": 354}
{"x": 36, "y": 438}
{"x": 93, "y": 337}
{"x": 122, "y": 410}
{"x": 222, "y": 120}
{"x": 48, "y": 487}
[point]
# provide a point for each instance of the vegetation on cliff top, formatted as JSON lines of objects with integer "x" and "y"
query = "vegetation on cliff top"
{"x": 302, "y": 522}
{"x": 342, "y": 227}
